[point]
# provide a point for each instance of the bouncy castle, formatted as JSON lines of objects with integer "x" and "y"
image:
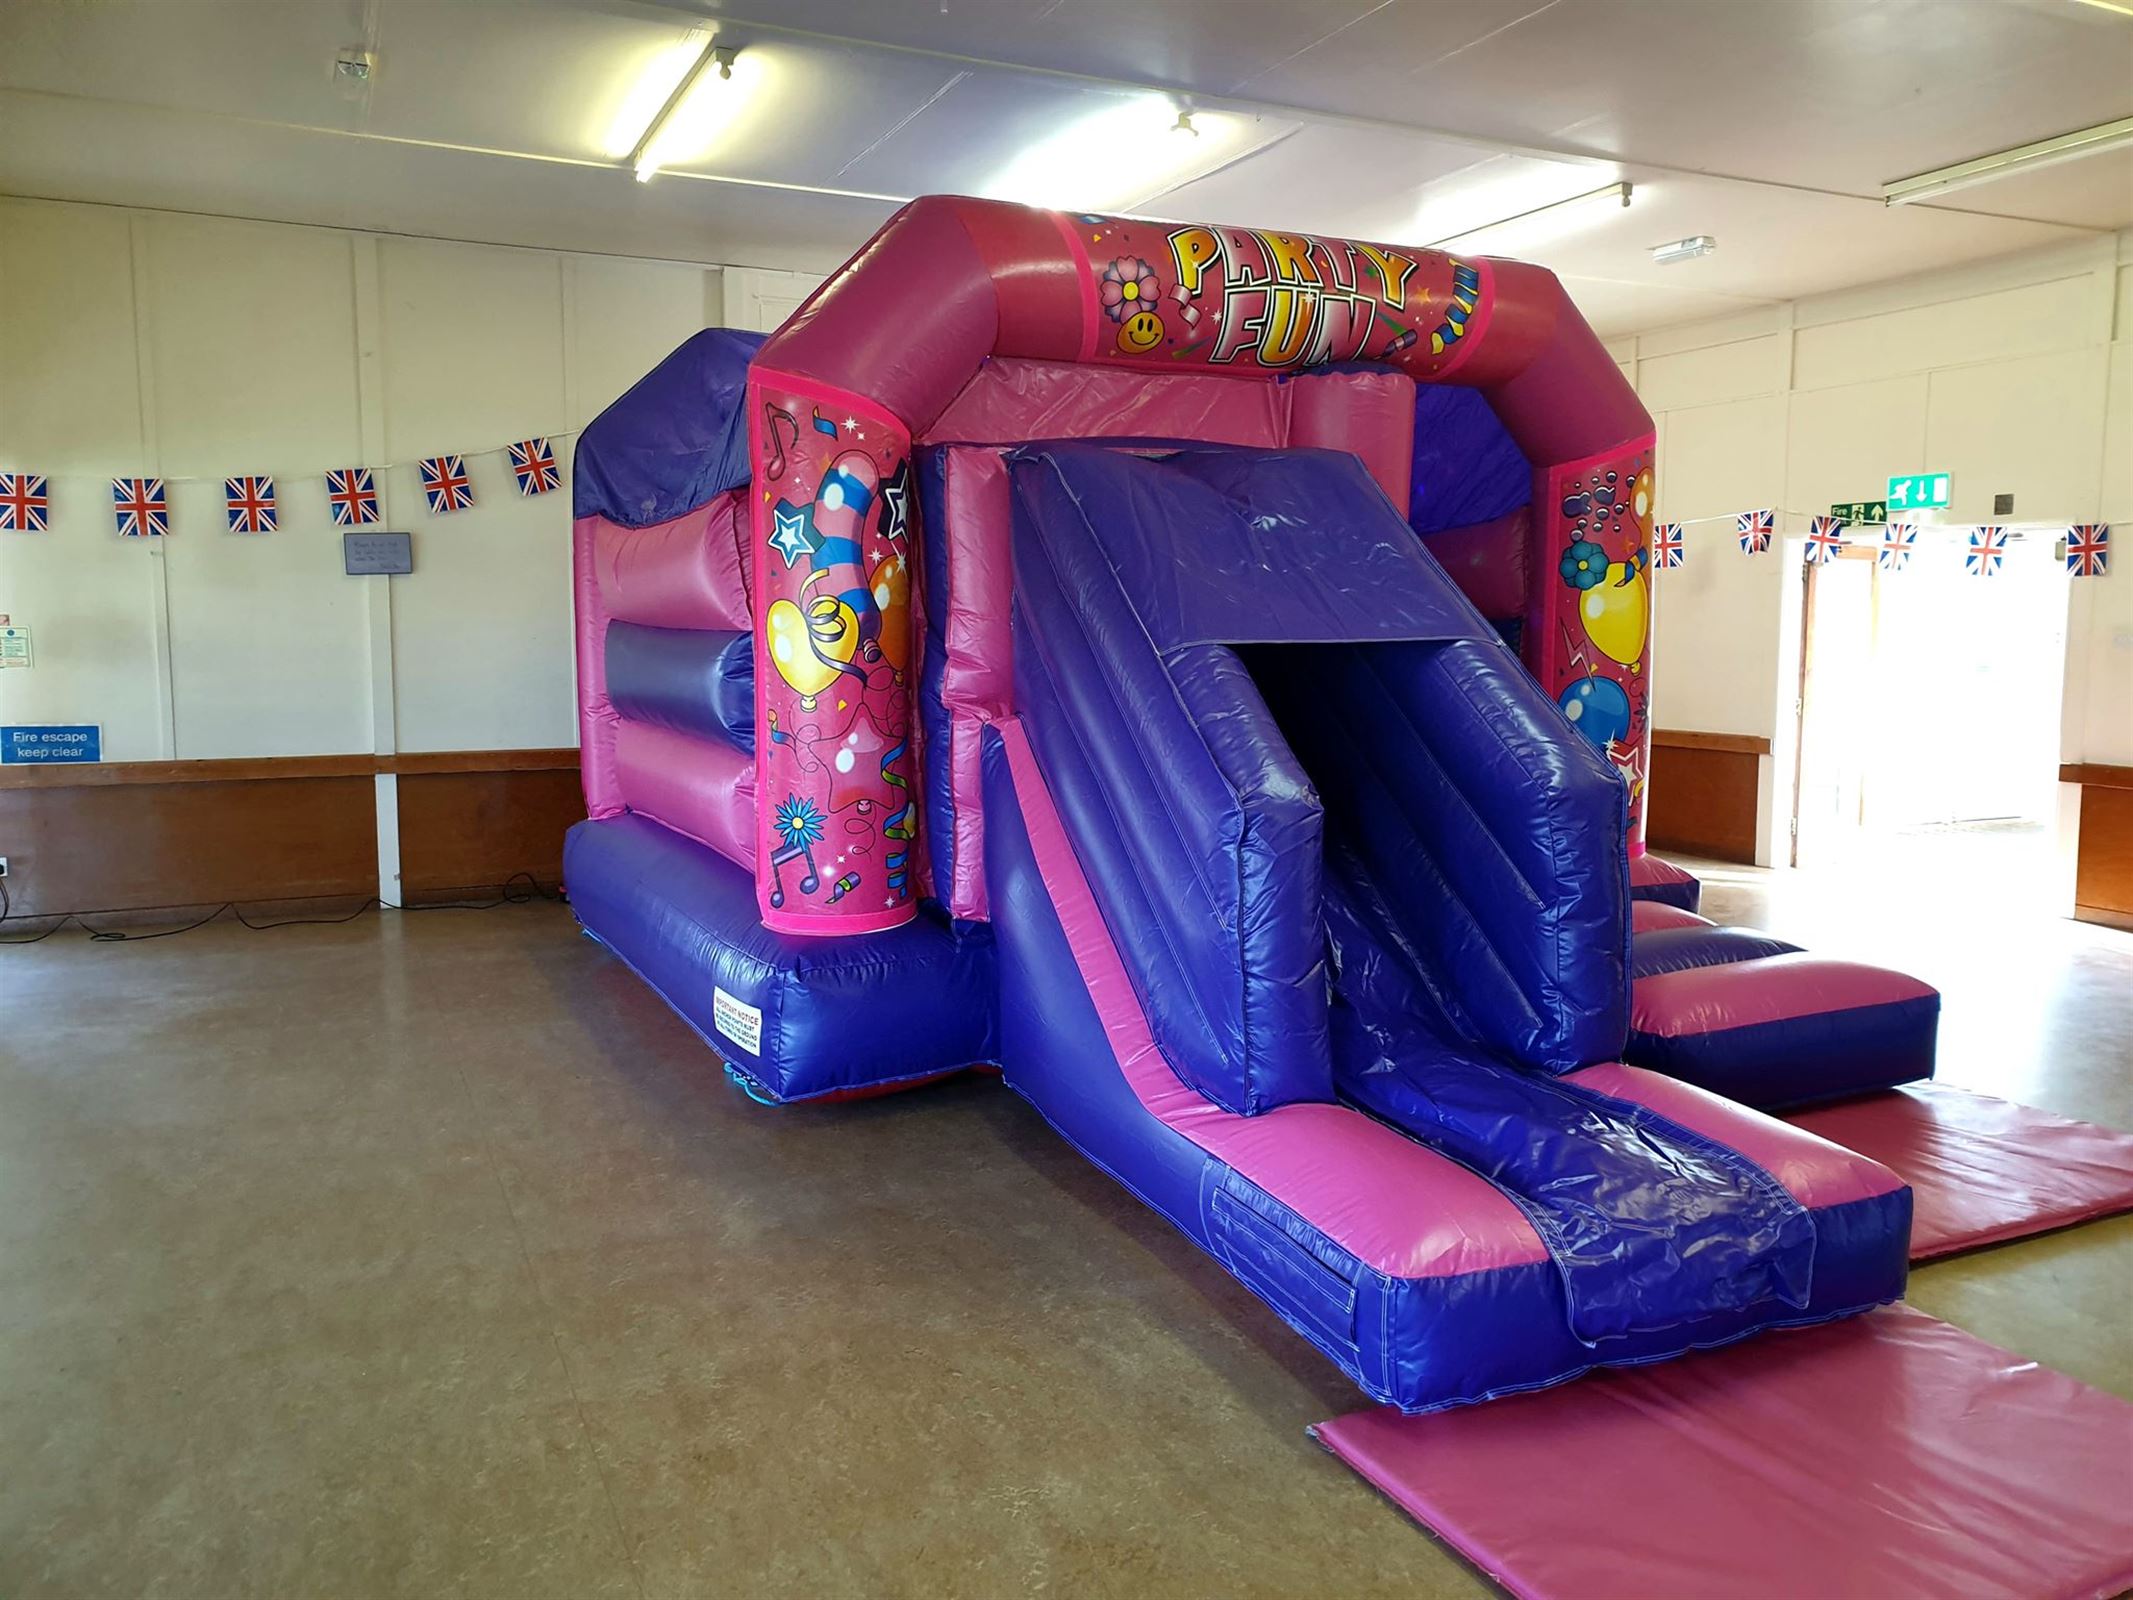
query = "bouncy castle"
{"x": 1203, "y": 675}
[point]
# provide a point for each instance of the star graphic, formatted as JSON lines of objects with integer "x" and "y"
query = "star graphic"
{"x": 896, "y": 497}
{"x": 792, "y": 538}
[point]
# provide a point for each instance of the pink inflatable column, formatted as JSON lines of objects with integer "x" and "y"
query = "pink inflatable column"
{"x": 836, "y": 812}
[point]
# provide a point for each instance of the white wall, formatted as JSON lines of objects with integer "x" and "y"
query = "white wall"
{"x": 2014, "y": 375}
{"x": 144, "y": 343}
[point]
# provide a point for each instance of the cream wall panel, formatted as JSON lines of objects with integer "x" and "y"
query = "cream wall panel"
{"x": 473, "y": 346}
{"x": 267, "y": 635}
{"x": 70, "y": 397}
{"x": 2027, "y": 428}
{"x": 481, "y": 630}
{"x": 626, "y": 317}
{"x": 2099, "y": 688}
{"x": 70, "y": 407}
{"x": 88, "y": 598}
{"x": 1843, "y": 443}
{"x": 1713, "y": 374}
{"x": 473, "y": 358}
{"x": 2053, "y": 315}
{"x": 252, "y": 330}
{"x": 2122, "y": 317}
{"x": 1715, "y": 639}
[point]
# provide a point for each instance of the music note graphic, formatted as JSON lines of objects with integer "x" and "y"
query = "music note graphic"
{"x": 772, "y": 416}
{"x": 808, "y": 884}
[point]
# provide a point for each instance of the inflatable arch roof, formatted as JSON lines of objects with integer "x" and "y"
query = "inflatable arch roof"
{"x": 951, "y": 286}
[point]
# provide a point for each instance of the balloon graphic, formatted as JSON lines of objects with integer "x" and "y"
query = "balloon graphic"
{"x": 891, "y": 585}
{"x": 810, "y": 648}
{"x": 1616, "y": 614}
{"x": 1598, "y": 708}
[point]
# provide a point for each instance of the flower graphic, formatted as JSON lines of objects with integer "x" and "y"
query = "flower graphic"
{"x": 1584, "y": 565}
{"x": 799, "y": 823}
{"x": 1127, "y": 285}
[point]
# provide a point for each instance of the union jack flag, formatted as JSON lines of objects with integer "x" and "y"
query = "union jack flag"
{"x": 1898, "y": 540}
{"x": 251, "y": 504}
{"x": 1755, "y": 528}
{"x": 1825, "y": 537}
{"x": 2088, "y": 544}
{"x": 445, "y": 483}
{"x": 1666, "y": 544}
{"x": 353, "y": 496}
{"x": 142, "y": 508}
{"x": 24, "y": 502}
{"x": 1988, "y": 548}
{"x": 533, "y": 464}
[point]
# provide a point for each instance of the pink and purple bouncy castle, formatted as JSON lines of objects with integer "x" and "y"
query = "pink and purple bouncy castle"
{"x": 1203, "y": 674}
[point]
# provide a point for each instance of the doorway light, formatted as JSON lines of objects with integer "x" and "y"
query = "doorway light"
{"x": 2005, "y": 163}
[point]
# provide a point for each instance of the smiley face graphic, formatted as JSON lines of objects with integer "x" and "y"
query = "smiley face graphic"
{"x": 1141, "y": 331}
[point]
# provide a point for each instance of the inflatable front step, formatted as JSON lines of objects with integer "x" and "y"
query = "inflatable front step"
{"x": 792, "y": 1018}
{"x": 1764, "y": 1022}
{"x": 1662, "y": 883}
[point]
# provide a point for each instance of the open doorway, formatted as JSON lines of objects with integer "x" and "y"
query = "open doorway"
{"x": 1928, "y": 738}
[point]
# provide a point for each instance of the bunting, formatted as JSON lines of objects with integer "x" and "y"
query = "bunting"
{"x": 1988, "y": 548}
{"x": 1825, "y": 540}
{"x": 445, "y": 484}
{"x": 141, "y": 507}
{"x": 25, "y": 502}
{"x": 1755, "y": 528}
{"x": 1898, "y": 540}
{"x": 2088, "y": 548}
{"x": 533, "y": 464}
{"x": 353, "y": 495}
{"x": 250, "y": 504}
{"x": 1666, "y": 544}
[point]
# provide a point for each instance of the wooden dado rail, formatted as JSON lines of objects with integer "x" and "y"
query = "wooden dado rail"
{"x": 97, "y": 775}
{"x": 131, "y": 835}
{"x": 2103, "y": 852}
{"x": 1703, "y": 792}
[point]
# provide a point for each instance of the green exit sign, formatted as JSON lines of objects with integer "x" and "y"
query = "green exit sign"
{"x": 1918, "y": 491}
{"x": 1860, "y": 513}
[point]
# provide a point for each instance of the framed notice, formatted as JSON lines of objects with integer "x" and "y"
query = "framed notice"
{"x": 369, "y": 555}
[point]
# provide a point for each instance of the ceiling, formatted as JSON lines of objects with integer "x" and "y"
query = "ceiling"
{"x": 1770, "y": 124}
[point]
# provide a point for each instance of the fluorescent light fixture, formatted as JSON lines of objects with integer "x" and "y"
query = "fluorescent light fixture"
{"x": 2107, "y": 5}
{"x": 1684, "y": 249}
{"x": 1135, "y": 145}
{"x": 675, "y": 92}
{"x": 2005, "y": 163}
{"x": 1536, "y": 224}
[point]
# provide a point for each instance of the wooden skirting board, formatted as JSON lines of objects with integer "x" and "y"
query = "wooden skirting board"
{"x": 1703, "y": 792}
{"x": 2103, "y": 855}
{"x": 133, "y": 835}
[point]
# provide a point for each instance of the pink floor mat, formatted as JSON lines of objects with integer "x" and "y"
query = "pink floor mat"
{"x": 1888, "y": 1456}
{"x": 1981, "y": 1170}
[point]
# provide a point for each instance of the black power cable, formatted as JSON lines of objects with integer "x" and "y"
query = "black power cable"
{"x": 506, "y": 893}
